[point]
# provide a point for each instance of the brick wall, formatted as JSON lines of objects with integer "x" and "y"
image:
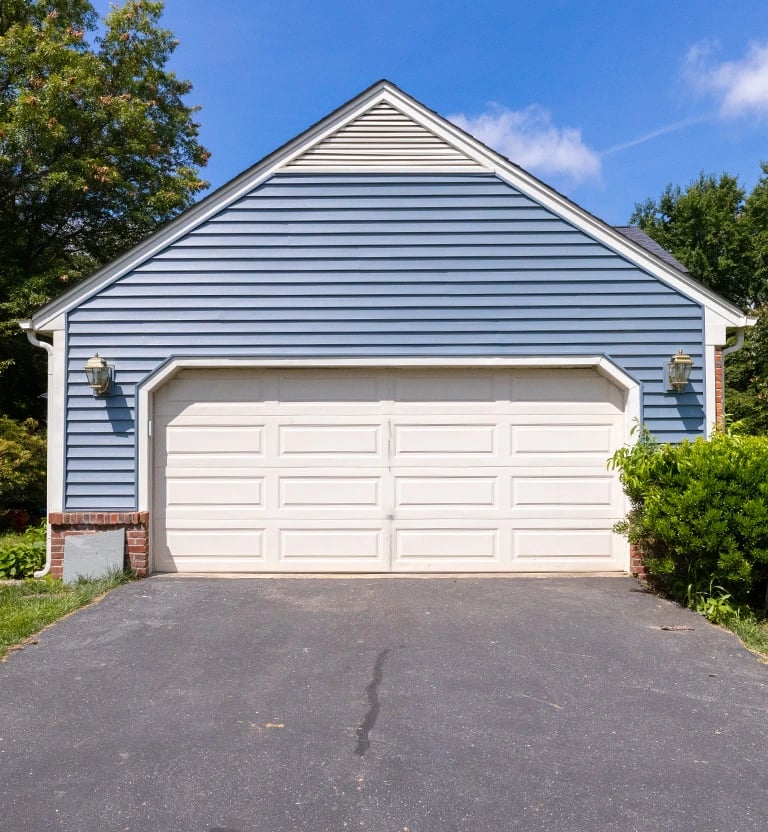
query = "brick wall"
{"x": 636, "y": 565}
{"x": 135, "y": 523}
{"x": 719, "y": 389}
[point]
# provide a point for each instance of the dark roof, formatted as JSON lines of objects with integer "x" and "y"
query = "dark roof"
{"x": 637, "y": 235}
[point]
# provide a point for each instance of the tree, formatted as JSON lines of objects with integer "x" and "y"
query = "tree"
{"x": 97, "y": 149}
{"x": 721, "y": 235}
{"x": 746, "y": 378}
{"x": 22, "y": 465}
{"x": 706, "y": 229}
{"x": 756, "y": 217}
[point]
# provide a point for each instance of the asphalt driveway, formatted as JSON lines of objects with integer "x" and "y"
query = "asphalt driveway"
{"x": 391, "y": 705}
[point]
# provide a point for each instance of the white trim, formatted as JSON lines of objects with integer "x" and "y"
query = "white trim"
{"x": 386, "y": 92}
{"x": 56, "y": 410}
{"x": 55, "y": 375}
{"x": 715, "y": 328}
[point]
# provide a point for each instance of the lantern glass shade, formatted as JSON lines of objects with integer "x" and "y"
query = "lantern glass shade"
{"x": 99, "y": 374}
{"x": 679, "y": 368}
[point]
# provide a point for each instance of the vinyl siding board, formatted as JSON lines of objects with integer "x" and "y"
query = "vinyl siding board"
{"x": 370, "y": 265}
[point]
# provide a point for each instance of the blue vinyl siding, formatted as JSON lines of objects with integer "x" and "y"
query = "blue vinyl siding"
{"x": 344, "y": 265}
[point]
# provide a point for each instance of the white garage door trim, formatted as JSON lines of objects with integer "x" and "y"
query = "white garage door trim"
{"x": 604, "y": 366}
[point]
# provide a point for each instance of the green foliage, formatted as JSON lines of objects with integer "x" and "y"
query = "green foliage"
{"x": 716, "y": 605}
{"x": 22, "y": 464}
{"x": 21, "y": 555}
{"x": 699, "y": 512}
{"x": 29, "y": 606}
{"x": 756, "y": 217}
{"x": 97, "y": 148}
{"x": 746, "y": 377}
{"x": 705, "y": 228}
{"x": 753, "y": 631}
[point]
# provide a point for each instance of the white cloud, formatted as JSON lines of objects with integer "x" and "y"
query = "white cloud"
{"x": 654, "y": 134}
{"x": 529, "y": 139}
{"x": 741, "y": 86}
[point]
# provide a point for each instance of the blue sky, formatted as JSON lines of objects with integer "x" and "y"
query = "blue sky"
{"x": 606, "y": 101}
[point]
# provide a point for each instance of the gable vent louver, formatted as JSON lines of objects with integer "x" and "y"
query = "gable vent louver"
{"x": 384, "y": 138}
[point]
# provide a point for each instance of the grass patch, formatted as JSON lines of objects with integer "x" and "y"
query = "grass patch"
{"x": 28, "y": 606}
{"x": 753, "y": 632}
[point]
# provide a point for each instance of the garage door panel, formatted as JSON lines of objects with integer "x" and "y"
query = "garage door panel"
{"x": 443, "y": 440}
{"x": 198, "y": 386}
{"x": 215, "y": 411}
{"x": 319, "y": 388}
{"x": 219, "y": 541}
{"x": 338, "y": 493}
{"x": 563, "y": 411}
{"x": 195, "y": 466}
{"x": 193, "y": 517}
{"x": 212, "y": 564}
{"x": 575, "y": 386}
{"x": 438, "y": 542}
{"x": 595, "y": 542}
{"x": 449, "y": 490}
{"x": 562, "y": 439}
{"x": 563, "y": 492}
{"x": 302, "y": 442}
{"x": 213, "y": 491}
{"x": 319, "y": 544}
{"x": 438, "y": 389}
{"x": 233, "y": 439}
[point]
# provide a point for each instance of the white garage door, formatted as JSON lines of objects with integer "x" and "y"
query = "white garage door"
{"x": 387, "y": 470}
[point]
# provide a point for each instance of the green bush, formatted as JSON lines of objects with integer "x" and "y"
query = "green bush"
{"x": 699, "y": 513}
{"x": 22, "y": 464}
{"x": 23, "y": 554}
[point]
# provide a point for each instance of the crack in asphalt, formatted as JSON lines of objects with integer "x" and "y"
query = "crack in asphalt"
{"x": 374, "y": 706}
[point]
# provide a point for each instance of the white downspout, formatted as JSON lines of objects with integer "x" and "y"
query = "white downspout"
{"x": 36, "y": 342}
{"x": 735, "y": 347}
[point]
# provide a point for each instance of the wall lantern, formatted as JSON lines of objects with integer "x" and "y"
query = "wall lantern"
{"x": 99, "y": 374}
{"x": 679, "y": 371}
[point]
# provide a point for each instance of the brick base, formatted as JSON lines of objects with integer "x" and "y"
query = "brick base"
{"x": 636, "y": 564}
{"x": 719, "y": 389}
{"x": 135, "y": 523}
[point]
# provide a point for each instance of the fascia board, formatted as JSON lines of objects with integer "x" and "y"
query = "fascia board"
{"x": 489, "y": 159}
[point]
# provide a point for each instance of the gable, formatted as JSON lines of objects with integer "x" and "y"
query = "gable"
{"x": 383, "y": 130}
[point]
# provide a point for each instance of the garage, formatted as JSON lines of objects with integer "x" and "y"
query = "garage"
{"x": 387, "y": 469}
{"x": 382, "y": 348}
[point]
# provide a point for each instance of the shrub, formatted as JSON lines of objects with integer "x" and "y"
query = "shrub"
{"x": 21, "y": 555}
{"x": 699, "y": 513}
{"x": 22, "y": 464}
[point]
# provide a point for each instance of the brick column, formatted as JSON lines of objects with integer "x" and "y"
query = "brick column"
{"x": 719, "y": 389}
{"x": 135, "y": 523}
{"x": 636, "y": 564}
